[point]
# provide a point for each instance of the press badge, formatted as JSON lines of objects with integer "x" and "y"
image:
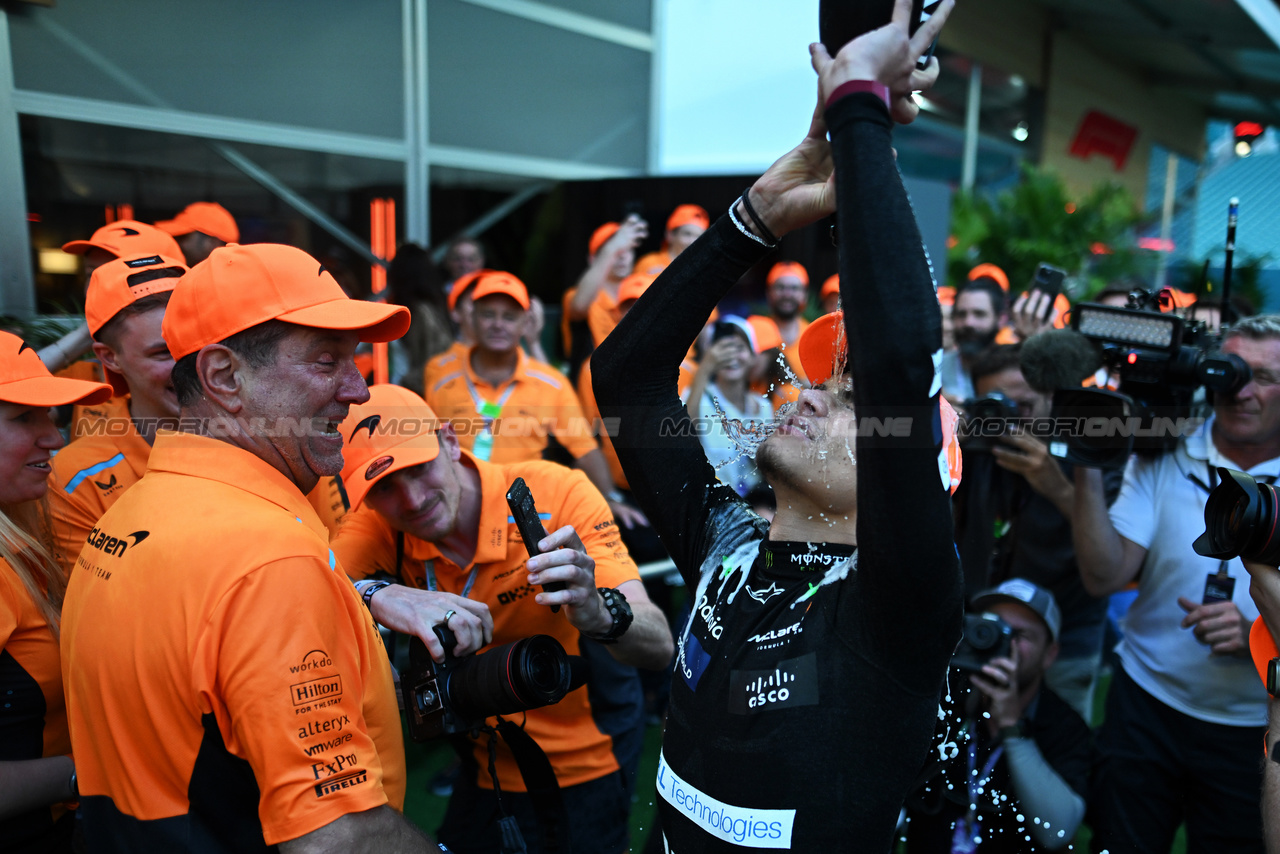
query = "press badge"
{"x": 1218, "y": 587}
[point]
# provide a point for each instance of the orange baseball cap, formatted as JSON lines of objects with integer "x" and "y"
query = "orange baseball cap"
{"x": 946, "y": 295}
{"x": 25, "y": 380}
{"x": 497, "y": 282}
{"x": 127, "y": 237}
{"x": 393, "y": 430}
{"x": 830, "y": 286}
{"x": 462, "y": 283}
{"x": 686, "y": 214}
{"x": 824, "y": 352}
{"x": 120, "y": 283}
{"x": 601, "y": 236}
{"x": 633, "y": 286}
{"x": 990, "y": 271}
{"x": 238, "y": 287}
{"x": 208, "y": 218}
{"x": 788, "y": 269}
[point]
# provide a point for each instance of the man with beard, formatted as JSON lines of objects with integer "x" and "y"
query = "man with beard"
{"x": 787, "y": 290}
{"x": 976, "y": 317}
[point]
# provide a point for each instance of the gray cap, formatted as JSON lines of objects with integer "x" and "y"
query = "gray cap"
{"x": 1024, "y": 592}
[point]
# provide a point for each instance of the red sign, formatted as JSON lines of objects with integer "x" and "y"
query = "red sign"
{"x": 1102, "y": 134}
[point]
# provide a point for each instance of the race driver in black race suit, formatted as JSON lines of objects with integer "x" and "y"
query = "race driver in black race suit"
{"x": 807, "y": 684}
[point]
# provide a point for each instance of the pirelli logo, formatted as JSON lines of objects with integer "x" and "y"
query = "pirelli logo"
{"x": 305, "y": 693}
{"x": 346, "y": 781}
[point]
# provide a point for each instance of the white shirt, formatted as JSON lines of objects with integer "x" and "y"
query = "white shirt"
{"x": 1162, "y": 509}
{"x": 732, "y": 466}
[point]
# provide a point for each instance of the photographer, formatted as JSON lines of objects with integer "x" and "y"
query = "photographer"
{"x": 435, "y": 518}
{"x": 1185, "y": 711}
{"x": 1032, "y": 748}
{"x": 1013, "y": 519}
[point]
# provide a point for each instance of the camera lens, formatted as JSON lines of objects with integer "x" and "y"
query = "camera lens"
{"x": 983, "y": 635}
{"x": 525, "y": 674}
{"x": 1242, "y": 519}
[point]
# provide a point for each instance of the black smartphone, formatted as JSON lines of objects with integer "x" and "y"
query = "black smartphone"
{"x": 520, "y": 500}
{"x": 842, "y": 21}
{"x": 925, "y": 14}
{"x": 1048, "y": 281}
{"x": 633, "y": 207}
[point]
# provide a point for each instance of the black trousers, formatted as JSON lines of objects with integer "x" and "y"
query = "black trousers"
{"x": 1158, "y": 768}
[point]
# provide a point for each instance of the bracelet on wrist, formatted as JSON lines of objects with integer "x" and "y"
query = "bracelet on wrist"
{"x": 733, "y": 216}
{"x": 764, "y": 230}
{"x": 367, "y": 588}
{"x": 849, "y": 87}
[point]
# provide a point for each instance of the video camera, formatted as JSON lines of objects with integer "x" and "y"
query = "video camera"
{"x": 459, "y": 693}
{"x": 1162, "y": 360}
{"x": 984, "y": 637}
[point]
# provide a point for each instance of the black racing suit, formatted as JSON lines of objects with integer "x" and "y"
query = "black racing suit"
{"x": 807, "y": 684}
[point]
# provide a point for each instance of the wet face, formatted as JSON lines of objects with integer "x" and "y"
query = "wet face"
{"x": 28, "y": 439}
{"x": 814, "y": 453}
{"x": 787, "y": 297}
{"x": 311, "y": 384}
{"x": 680, "y": 239}
{"x": 974, "y": 322}
{"x": 423, "y": 501}
{"x": 498, "y": 321}
{"x": 1011, "y": 383}
{"x": 1030, "y": 638}
{"x": 1253, "y": 415}
{"x": 142, "y": 357}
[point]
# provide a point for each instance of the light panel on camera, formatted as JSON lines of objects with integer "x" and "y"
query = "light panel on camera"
{"x": 1128, "y": 327}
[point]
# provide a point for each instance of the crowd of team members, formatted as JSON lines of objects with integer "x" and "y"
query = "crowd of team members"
{"x": 473, "y": 369}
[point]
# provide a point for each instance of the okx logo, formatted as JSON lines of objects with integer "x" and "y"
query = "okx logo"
{"x": 793, "y": 682}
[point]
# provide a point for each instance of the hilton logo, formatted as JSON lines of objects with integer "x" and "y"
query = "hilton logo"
{"x": 317, "y": 689}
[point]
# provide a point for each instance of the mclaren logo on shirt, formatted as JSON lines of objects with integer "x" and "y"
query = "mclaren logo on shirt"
{"x": 117, "y": 546}
{"x": 793, "y": 682}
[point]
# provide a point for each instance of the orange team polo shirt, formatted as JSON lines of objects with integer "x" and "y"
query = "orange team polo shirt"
{"x": 541, "y": 403}
{"x": 33, "y": 713}
{"x": 444, "y": 364}
{"x": 224, "y": 681}
{"x": 587, "y": 396}
{"x": 566, "y": 732}
{"x": 787, "y": 392}
{"x": 603, "y": 315}
{"x": 653, "y": 263}
{"x": 110, "y": 456}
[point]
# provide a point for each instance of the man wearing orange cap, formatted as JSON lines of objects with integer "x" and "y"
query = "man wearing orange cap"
{"x": 593, "y": 301}
{"x": 422, "y": 500}
{"x": 226, "y": 687}
{"x": 125, "y": 306}
{"x": 818, "y": 644}
{"x": 685, "y": 225}
{"x": 787, "y": 292}
{"x": 200, "y": 228}
{"x": 506, "y": 406}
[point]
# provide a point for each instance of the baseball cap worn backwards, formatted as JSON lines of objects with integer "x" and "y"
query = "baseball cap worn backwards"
{"x": 208, "y": 218}
{"x": 1026, "y": 593}
{"x": 120, "y": 283}
{"x": 497, "y": 282}
{"x": 393, "y": 430}
{"x": 25, "y": 380}
{"x": 238, "y": 287}
{"x": 127, "y": 237}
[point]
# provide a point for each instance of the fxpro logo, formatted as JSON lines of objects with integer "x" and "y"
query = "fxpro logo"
{"x": 104, "y": 542}
{"x": 793, "y": 682}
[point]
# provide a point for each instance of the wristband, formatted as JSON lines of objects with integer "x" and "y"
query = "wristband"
{"x": 616, "y": 496}
{"x": 847, "y": 88}
{"x": 765, "y": 232}
{"x": 366, "y": 589}
{"x": 733, "y": 217}
{"x": 619, "y": 610}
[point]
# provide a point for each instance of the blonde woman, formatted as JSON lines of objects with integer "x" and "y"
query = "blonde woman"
{"x": 36, "y": 770}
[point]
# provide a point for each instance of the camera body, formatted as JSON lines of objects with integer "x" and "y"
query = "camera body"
{"x": 1162, "y": 361}
{"x": 459, "y": 693}
{"x": 985, "y": 420}
{"x": 985, "y": 636}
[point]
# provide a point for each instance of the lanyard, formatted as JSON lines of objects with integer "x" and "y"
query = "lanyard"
{"x": 430, "y": 566}
{"x": 482, "y": 448}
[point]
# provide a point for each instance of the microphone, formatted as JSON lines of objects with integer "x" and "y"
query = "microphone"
{"x": 1058, "y": 359}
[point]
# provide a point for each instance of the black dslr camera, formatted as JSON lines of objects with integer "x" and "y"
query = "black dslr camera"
{"x": 456, "y": 695}
{"x": 986, "y": 419}
{"x": 1162, "y": 360}
{"x": 1240, "y": 520}
{"x": 985, "y": 637}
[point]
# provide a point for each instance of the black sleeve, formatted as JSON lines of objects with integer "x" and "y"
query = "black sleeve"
{"x": 634, "y": 373}
{"x": 908, "y": 571}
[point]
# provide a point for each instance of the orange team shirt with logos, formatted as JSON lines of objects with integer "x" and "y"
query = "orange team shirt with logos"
{"x": 33, "y": 713}
{"x": 444, "y": 364}
{"x": 787, "y": 392}
{"x": 224, "y": 681}
{"x": 539, "y": 402}
{"x": 110, "y": 456}
{"x": 603, "y": 316}
{"x": 566, "y": 732}
{"x": 587, "y": 396}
